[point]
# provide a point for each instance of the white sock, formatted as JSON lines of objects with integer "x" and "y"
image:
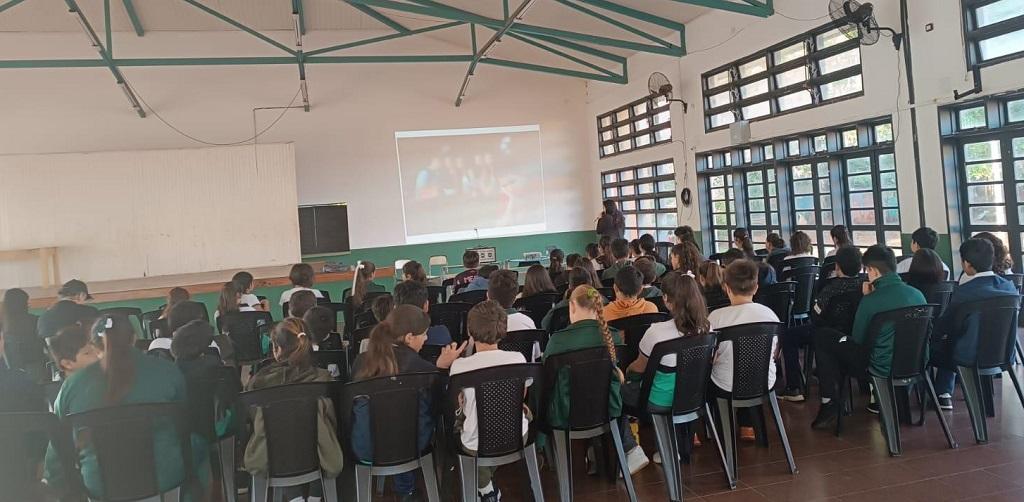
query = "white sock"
{"x": 826, "y": 400}
{"x": 298, "y": 499}
{"x": 487, "y": 489}
{"x": 946, "y": 395}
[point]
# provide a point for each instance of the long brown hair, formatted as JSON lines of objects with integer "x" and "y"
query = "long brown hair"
{"x": 588, "y": 265}
{"x": 364, "y": 276}
{"x": 686, "y": 302}
{"x": 414, "y": 271}
{"x": 689, "y": 257}
{"x": 118, "y": 364}
{"x": 229, "y": 296}
{"x": 710, "y": 274}
{"x": 557, "y": 263}
{"x": 586, "y": 297}
{"x": 537, "y": 281}
{"x": 174, "y": 297}
{"x": 578, "y": 276}
{"x": 379, "y": 358}
{"x": 289, "y": 335}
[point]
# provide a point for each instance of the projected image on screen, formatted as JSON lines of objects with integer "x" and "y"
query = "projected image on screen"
{"x": 465, "y": 183}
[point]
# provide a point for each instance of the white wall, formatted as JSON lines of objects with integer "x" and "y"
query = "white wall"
{"x": 939, "y": 67}
{"x": 345, "y": 147}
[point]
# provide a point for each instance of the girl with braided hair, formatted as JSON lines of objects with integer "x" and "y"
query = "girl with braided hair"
{"x": 588, "y": 329}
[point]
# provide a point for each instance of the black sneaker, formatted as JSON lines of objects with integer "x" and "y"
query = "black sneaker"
{"x": 873, "y": 408}
{"x": 945, "y": 403}
{"x": 792, "y": 395}
{"x": 826, "y": 417}
{"x": 494, "y": 496}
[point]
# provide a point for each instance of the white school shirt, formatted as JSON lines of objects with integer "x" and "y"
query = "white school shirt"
{"x": 165, "y": 343}
{"x": 519, "y": 321}
{"x": 904, "y": 266}
{"x": 721, "y": 371}
{"x": 287, "y": 295}
{"x": 486, "y": 359}
{"x": 250, "y": 300}
{"x": 657, "y": 333}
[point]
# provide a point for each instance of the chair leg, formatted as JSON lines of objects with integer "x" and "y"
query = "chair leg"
{"x": 364, "y": 483}
{"x": 276, "y": 494}
{"x": 258, "y": 491}
{"x": 379, "y": 484}
{"x": 468, "y": 472}
{"x": 563, "y": 465}
{"x": 888, "y": 415}
{"x": 1020, "y": 351}
{"x": 533, "y": 467}
{"x": 942, "y": 419}
{"x": 430, "y": 478}
{"x": 970, "y": 383}
{"x": 777, "y": 415}
{"x": 663, "y": 428}
{"x": 226, "y": 454}
{"x": 728, "y": 417}
{"x": 922, "y": 399}
{"x": 330, "y": 486}
{"x": 1016, "y": 384}
{"x": 709, "y": 420}
{"x": 987, "y": 395}
{"x": 623, "y": 464}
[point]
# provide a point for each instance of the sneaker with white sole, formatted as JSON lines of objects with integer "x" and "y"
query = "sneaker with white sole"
{"x": 656, "y": 458}
{"x": 636, "y": 460}
{"x": 945, "y": 402}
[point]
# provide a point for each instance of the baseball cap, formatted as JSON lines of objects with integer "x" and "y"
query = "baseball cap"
{"x": 75, "y": 287}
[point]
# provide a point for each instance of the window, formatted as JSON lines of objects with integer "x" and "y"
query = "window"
{"x": 646, "y": 194}
{"x": 640, "y": 124}
{"x": 762, "y": 203}
{"x": 994, "y": 30}
{"x": 812, "y": 69}
{"x": 812, "y": 203}
{"x": 872, "y": 199}
{"x": 723, "y": 211}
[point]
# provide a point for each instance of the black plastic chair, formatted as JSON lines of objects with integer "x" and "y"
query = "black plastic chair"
{"x": 537, "y": 305}
{"x": 663, "y": 249}
{"x": 23, "y": 439}
{"x": 528, "y": 342}
{"x": 752, "y": 356}
{"x": 912, "y": 328}
{"x": 148, "y": 319}
{"x": 453, "y": 316}
{"x": 498, "y": 392}
{"x": 803, "y": 261}
{"x": 659, "y": 301}
{"x": 392, "y": 405}
{"x": 692, "y": 369}
{"x": 589, "y": 372}
{"x": 210, "y": 397}
{"x": 127, "y": 312}
{"x": 633, "y": 329}
{"x": 780, "y": 298}
{"x": 607, "y": 292}
{"x": 437, "y": 294}
{"x": 246, "y": 331}
{"x": 350, "y": 312}
{"x": 336, "y": 362}
{"x": 1016, "y": 279}
{"x": 996, "y": 320}
{"x": 805, "y": 278}
{"x": 559, "y": 319}
{"x": 364, "y": 319}
{"x": 470, "y": 297}
{"x": 357, "y": 339}
{"x": 121, "y": 438}
{"x": 431, "y": 353}
{"x": 27, "y": 352}
{"x": 939, "y": 294}
{"x": 290, "y": 423}
{"x": 825, "y": 272}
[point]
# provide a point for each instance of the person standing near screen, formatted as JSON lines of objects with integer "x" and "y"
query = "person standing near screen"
{"x": 611, "y": 223}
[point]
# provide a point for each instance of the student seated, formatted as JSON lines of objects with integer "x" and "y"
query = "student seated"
{"x": 174, "y": 296}
{"x": 926, "y": 270}
{"x": 415, "y": 294}
{"x": 244, "y": 283}
{"x": 323, "y": 328}
{"x": 593, "y": 254}
{"x": 413, "y": 271}
{"x": 685, "y": 258}
{"x": 922, "y": 238}
{"x": 628, "y": 285}
{"x": 845, "y": 286}
{"x": 800, "y": 247}
{"x": 741, "y": 241}
{"x": 1002, "y": 264}
{"x": 648, "y": 246}
{"x": 481, "y": 280}
{"x": 777, "y": 251}
{"x": 979, "y": 282}
{"x": 834, "y": 351}
{"x": 382, "y": 306}
{"x": 840, "y": 238}
{"x": 620, "y": 252}
{"x": 648, "y": 274}
{"x": 190, "y": 347}
{"x": 709, "y": 276}
{"x": 364, "y": 283}
{"x": 293, "y": 363}
{"x": 301, "y": 302}
{"x": 230, "y": 300}
{"x": 486, "y": 324}
{"x": 537, "y": 282}
{"x": 25, "y": 350}
{"x": 72, "y": 350}
{"x": 685, "y": 234}
{"x": 123, "y": 376}
{"x": 19, "y": 391}
{"x": 470, "y": 262}
{"x": 634, "y": 249}
{"x": 557, "y": 262}
{"x": 301, "y": 277}
{"x": 577, "y": 277}
{"x": 503, "y": 289}
{"x": 69, "y": 309}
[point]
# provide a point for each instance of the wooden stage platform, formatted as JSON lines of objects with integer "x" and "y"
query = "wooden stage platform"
{"x": 205, "y": 282}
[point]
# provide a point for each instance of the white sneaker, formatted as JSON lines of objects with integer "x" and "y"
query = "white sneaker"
{"x": 636, "y": 460}
{"x": 656, "y": 458}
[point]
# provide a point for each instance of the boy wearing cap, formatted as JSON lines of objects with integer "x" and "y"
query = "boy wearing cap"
{"x": 69, "y": 310}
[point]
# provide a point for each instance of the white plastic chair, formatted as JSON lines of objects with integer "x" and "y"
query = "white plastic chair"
{"x": 437, "y": 261}
{"x": 398, "y": 268}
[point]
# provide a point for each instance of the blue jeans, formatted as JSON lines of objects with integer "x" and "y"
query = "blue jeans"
{"x": 945, "y": 380}
{"x": 405, "y": 483}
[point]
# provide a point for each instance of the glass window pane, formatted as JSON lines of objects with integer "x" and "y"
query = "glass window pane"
{"x": 622, "y": 115}
{"x": 722, "y": 119}
{"x": 839, "y": 88}
{"x": 1015, "y": 110}
{"x": 643, "y": 140}
{"x": 663, "y": 134}
{"x": 666, "y": 168}
{"x": 639, "y": 125}
{"x": 663, "y": 117}
{"x": 627, "y": 190}
{"x": 644, "y": 172}
{"x": 769, "y": 151}
{"x": 863, "y": 238}
{"x": 790, "y": 77}
{"x": 980, "y": 173}
{"x": 746, "y": 155}
{"x": 756, "y": 110}
{"x": 794, "y": 100}
{"x": 611, "y": 192}
{"x": 626, "y": 175}
{"x": 756, "y": 205}
{"x": 667, "y": 219}
{"x": 862, "y": 199}
{"x": 858, "y": 165}
{"x": 986, "y": 150}
{"x": 805, "y": 218}
{"x": 803, "y": 187}
{"x": 630, "y": 220}
{"x": 625, "y": 145}
{"x": 1018, "y": 147}
{"x": 886, "y": 162}
{"x": 894, "y": 240}
{"x": 860, "y": 182}
{"x": 1002, "y": 45}
{"x": 645, "y": 188}
{"x": 824, "y": 185}
{"x": 660, "y": 101}
{"x": 640, "y": 109}
{"x": 862, "y": 217}
{"x": 667, "y": 203}
{"x": 839, "y": 61}
{"x": 667, "y": 186}
{"x": 829, "y": 38}
{"x": 887, "y": 180}
{"x": 998, "y": 11}
{"x": 754, "y": 67}
{"x": 755, "y": 88}
{"x": 623, "y": 130}
{"x": 971, "y": 118}
{"x": 608, "y": 149}
{"x": 826, "y": 218}
{"x": 820, "y": 143}
{"x": 722, "y": 98}
{"x": 883, "y": 133}
{"x": 607, "y": 135}
{"x": 787, "y": 54}
{"x": 988, "y": 215}
{"x": 802, "y": 171}
{"x": 629, "y": 205}
{"x": 890, "y": 199}
{"x": 822, "y": 169}
{"x": 891, "y": 217}
{"x": 718, "y": 79}
{"x": 606, "y": 121}
{"x": 985, "y": 194}
{"x": 825, "y": 201}
{"x": 610, "y": 177}
{"x": 755, "y": 177}
{"x": 755, "y": 191}
{"x": 850, "y": 138}
{"x": 646, "y": 220}
{"x": 803, "y": 202}
{"x": 646, "y": 205}
{"x": 793, "y": 147}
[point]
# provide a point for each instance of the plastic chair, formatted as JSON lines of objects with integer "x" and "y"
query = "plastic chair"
{"x": 528, "y": 342}
{"x": 691, "y": 365}
{"x": 121, "y": 438}
{"x": 939, "y": 294}
{"x": 398, "y": 269}
{"x": 437, "y": 294}
{"x": 659, "y": 301}
{"x": 246, "y": 331}
{"x": 1016, "y": 279}
{"x": 805, "y": 277}
{"x": 290, "y": 422}
{"x": 537, "y": 305}
{"x": 437, "y": 261}
{"x": 993, "y": 351}
{"x": 589, "y": 395}
{"x": 607, "y": 292}
{"x": 633, "y": 329}
{"x": 559, "y": 319}
{"x": 127, "y": 312}
{"x": 470, "y": 297}
{"x": 210, "y": 396}
{"x": 336, "y": 362}
{"x": 148, "y": 318}
{"x": 663, "y": 249}
{"x": 780, "y": 298}
{"x": 393, "y": 413}
{"x": 499, "y": 394}
{"x": 752, "y": 355}
{"x": 608, "y": 283}
{"x": 431, "y": 353}
{"x": 23, "y": 439}
{"x": 803, "y": 261}
{"x": 453, "y": 316}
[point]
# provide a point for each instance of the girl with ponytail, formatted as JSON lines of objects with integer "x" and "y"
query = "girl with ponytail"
{"x": 364, "y": 283}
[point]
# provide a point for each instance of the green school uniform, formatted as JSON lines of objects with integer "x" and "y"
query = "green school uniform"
{"x": 584, "y": 334}
{"x": 890, "y": 293}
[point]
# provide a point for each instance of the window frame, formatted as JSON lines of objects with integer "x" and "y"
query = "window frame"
{"x": 973, "y": 35}
{"x": 650, "y": 131}
{"x": 657, "y": 196}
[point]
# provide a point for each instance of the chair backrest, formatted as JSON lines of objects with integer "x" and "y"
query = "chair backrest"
{"x": 589, "y": 372}
{"x": 359, "y": 335}
{"x": 122, "y": 439}
{"x": 26, "y": 353}
{"x": 210, "y": 396}
{"x": 453, "y": 316}
{"x": 538, "y": 305}
{"x": 498, "y": 392}
{"x": 663, "y": 249}
{"x": 365, "y": 319}
{"x": 751, "y": 356}
{"x": 825, "y": 271}
{"x": 692, "y": 370}
{"x": 607, "y": 292}
{"x": 437, "y": 261}
{"x": 633, "y": 329}
{"x": 290, "y": 414}
{"x": 803, "y": 261}
{"x": 996, "y": 327}
{"x": 470, "y": 297}
{"x": 1016, "y": 279}
{"x": 939, "y": 294}
{"x": 659, "y": 301}
{"x": 128, "y": 313}
{"x": 528, "y": 342}
{"x": 431, "y": 353}
{"x": 335, "y": 362}
{"x": 246, "y": 331}
{"x": 559, "y": 319}
{"x": 779, "y": 297}
{"x": 437, "y": 294}
{"x": 804, "y": 277}
{"x": 147, "y": 318}
{"x": 392, "y": 412}
{"x": 608, "y": 283}
{"x": 23, "y": 439}
{"x": 912, "y": 326}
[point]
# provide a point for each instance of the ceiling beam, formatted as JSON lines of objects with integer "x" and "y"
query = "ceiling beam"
{"x": 133, "y": 16}
{"x": 383, "y": 38}
{"x": 300, "y": 13}
{"x": 370, "y": 11}
{"x": 240, "y": 26}
{"x": 511, "y": 19}
{"x": 614, "y": 22}
{"x": 107, "y": 60}
{"x": 529, "y": 41}
{"x": 747, "y": 7}
{"x": 232, "y": 61}
{"x": 8, "y": 5}
{"x": 616, "y": 79}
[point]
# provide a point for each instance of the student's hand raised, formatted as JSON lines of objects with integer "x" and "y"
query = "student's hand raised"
{"x": 449, "y": 354}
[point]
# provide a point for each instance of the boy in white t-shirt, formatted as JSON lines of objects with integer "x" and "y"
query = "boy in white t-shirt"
{"x": 740, "y": 284}
{"x": 486, "y": 325}
{"x": 503, "y": 287}
{"x": 301, "y": 277}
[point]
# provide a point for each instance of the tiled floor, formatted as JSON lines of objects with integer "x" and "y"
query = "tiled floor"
{"x": 854, "y": 467}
